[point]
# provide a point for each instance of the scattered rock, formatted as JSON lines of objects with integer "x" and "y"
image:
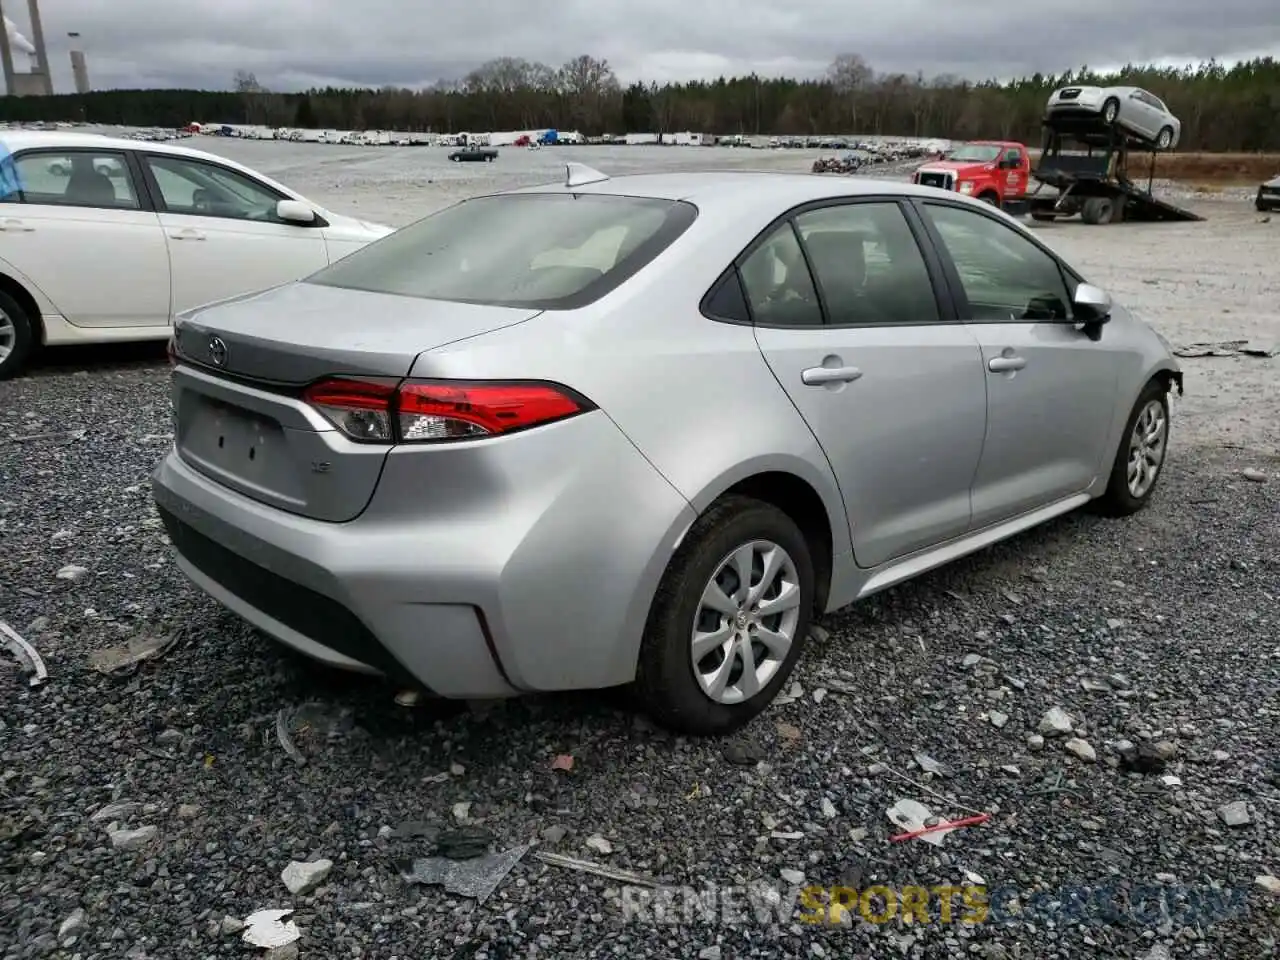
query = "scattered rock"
{"x": 71, "y": 926}
{"x": 599, "y": 844}
{"x": 1081, "y": 749}
{"x": 230, "y": 925}
{"x": 132, "y": 839}
{"x": 997, "y": 719}
{"x": 461, "y": 811}
{"x": 554, "y": 833}
{"x": 1234, "y": 814}
{"x": 302, "y": 878}
{"x": 1056, "y": 723}
{"x": 828, "y": 809}
{"x": 744, "y": 753}
{"x": 72, "y": 573}
{"x": 1035, "y": 743}
{"x": 794, "y": 877}
{"x": 1268, "y": 883}
{"x": 1257, "y": 476}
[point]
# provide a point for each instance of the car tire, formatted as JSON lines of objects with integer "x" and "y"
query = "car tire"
{"x": 1148, "y": 421}
{"x": 669, "y": 685}
{"x": 1110, "y": 111}
{"x": 17, "y": 337}
{"x": 1043, "y": 217}
{"x": 1164, "y": 139}
{"x": 990, "y": 197}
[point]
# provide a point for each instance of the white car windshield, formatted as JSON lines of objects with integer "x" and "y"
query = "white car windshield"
{"x": 542, "y": 250}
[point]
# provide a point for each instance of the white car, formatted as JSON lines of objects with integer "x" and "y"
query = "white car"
{"x": 1132, "y": 109}
{"x": 105, "y": 240}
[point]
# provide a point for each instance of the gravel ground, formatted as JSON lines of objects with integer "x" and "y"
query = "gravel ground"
{"x": 1159, "y": 630}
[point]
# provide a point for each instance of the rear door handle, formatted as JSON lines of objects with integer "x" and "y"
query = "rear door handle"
{"x": 11, "y": 225}
{"x": 1006, "y": 364}
{"x": 817, "y": 376}
{"x": 187, "y": 234}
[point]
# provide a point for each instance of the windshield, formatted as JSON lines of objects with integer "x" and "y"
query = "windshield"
{"x": 975, "y": 152}
{"x": 539, "y": 250}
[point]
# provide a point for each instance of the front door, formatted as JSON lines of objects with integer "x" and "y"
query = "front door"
{"x": 71, "y": 221}
{"x": 893, "y": 392}
{"x": 223, "y": 233}
{"x": 1051, "y": 389}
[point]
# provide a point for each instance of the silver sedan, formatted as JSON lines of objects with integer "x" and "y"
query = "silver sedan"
{"x": 1137, "y": 111}
{"x": 641, "y": 431}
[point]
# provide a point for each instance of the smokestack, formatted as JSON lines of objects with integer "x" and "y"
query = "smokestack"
{"x": 6, "y": 56}
{"x": 78, "y": 68}
{"x": 37, "y": 38}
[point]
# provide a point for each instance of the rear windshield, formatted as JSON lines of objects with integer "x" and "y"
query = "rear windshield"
{"x": 541, "y": 250}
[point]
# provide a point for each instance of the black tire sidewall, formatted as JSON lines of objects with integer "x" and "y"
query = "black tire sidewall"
{"x": 1160, "y": 137}
{"x": 24, "y": 339}
{"x": 1118, "y": 499}
{"x": 665, "y": 677}
{"x": 1107, "y": 107}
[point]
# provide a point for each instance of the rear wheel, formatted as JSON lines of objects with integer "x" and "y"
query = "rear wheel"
{"x": 1165, "y": 138}
{"x": 728, "y": 621}
{"x": 17, "y": 336}
{"x": 1140, "y": 459}
{"x": 1110, "y": 110}
{"x": 1097, "y": 210}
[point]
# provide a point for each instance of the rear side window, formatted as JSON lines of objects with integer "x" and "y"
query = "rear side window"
{"x": 549, "y": 251}
{"x": 778, "y": 284}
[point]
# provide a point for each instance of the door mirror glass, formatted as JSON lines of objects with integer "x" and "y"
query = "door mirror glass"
{"x": 295, "y": 211}
{"x": 1092, "y": 304}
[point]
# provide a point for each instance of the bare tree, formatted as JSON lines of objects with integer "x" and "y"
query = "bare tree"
{"x": 849, "y": 76}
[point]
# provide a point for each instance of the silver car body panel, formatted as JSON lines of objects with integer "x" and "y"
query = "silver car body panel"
{"x": 529, "y": 562}
{"x": 1138, "y": 111}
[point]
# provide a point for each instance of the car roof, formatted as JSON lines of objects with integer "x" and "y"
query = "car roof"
{"x": 15, "y": 140}
{"x": 756, "y": 188}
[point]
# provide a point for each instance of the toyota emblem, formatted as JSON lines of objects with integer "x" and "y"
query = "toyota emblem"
{"x": 217, "y": 351}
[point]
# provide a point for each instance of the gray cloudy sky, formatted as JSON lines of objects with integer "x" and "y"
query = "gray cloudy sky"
{"x": 293, "y": 44}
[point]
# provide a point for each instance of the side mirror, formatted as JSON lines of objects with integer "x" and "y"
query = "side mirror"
{"x": 1092, "y": 304}
{"x": 295, "y": 211}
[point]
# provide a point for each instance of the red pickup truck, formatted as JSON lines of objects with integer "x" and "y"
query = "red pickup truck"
{"x": 996, "y": 171}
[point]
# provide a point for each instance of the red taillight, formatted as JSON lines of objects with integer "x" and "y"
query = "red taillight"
{"x": 376, "y": 411}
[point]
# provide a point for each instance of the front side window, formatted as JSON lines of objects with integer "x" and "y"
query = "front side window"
{"x": 1013, "y": 157}
{"x": 1005, "y": 276}
{"x": 71, "y": 178}
{"x": 868, "y": 265}
{"x": 778, "y": 284}
{"x": 540, "y": 250}
{"x": 207, "y": 190}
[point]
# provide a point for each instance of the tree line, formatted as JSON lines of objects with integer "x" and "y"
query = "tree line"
{"x": 1222, "y": 108}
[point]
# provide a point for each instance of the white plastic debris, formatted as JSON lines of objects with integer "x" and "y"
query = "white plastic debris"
{"x": 911, "y": 816}
{"x": 26, "y": 655}
{"x": 264, "y": 929}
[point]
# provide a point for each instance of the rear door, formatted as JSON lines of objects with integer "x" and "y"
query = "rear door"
{"x": 78, "y": 225}
{"x": 845, "y": 308}
{"x": 1051, "y": 388}
{"x": 223, "y": 233}
{"x": 1139, "y": 114}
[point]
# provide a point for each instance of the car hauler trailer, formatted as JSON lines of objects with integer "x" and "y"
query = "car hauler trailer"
{"x": 1087, "y": 164}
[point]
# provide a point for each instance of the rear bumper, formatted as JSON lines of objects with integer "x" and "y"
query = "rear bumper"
{"x": 523, "y": 580}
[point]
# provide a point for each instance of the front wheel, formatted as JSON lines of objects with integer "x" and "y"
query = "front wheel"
{"x": 1140, "y": 459}
{"x": 1165, "y": 138}
{"x": 1110, "y": 111}
{"x": 990, "y": 198}
{"x": 728, "y": 621}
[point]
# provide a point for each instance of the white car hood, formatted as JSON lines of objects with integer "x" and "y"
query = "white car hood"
{"x": 349, "y": 228}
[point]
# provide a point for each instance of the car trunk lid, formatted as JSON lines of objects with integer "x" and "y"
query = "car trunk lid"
{"x": 237, "y": 392}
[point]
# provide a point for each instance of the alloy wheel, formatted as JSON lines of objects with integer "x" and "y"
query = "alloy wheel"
{"x": 746, "y": 622}
{"x": 1147, "y": 447}
{"x": 8, "y": 336}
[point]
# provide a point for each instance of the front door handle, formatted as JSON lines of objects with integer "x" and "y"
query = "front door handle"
{"x": 187, "y": 234}
{"x": 818, "y": 376}
{"x": 1006, "y": 364}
